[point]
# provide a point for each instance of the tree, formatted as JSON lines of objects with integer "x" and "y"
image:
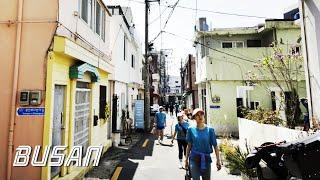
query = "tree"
{"x": 286, "y": 72}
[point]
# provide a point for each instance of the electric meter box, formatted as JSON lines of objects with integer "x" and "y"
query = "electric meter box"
{"x": 35, "y": 98}
{"x": 24, "y": 98}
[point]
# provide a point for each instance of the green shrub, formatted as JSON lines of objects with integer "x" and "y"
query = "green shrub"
{"x": 265, "y": 117}
{"x": 235, "y": 158}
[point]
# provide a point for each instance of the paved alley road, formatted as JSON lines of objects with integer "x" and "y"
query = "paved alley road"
{"x": 161, "y": 161}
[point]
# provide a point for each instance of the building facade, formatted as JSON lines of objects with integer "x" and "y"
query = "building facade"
{"x": 158, "y": 76}
{"x": 223, "y": 59}
{"x": 61, "y": 78}
{"x": 127, "y": 57}
{"x": 188, "y": 81}
{"x": 154, "y": 77}
{"x": 173, "y": 95}
{"x": 310, "y": 33}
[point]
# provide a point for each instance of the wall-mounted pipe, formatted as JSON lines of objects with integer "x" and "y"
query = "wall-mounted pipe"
{"x": 14, "y": 89}
{"x": 307, "y": 61}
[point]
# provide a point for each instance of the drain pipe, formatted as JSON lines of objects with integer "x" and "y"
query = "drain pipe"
{"x": 14, "y": 89}
{"x": 307, "y": 62}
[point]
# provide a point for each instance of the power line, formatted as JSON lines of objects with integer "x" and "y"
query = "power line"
{"x": 120, "y": 27}
{"x": 165, "y": 24}
{"x": 223, "y": 13}
{"x": 196, "y": 13}
{"x": 159, "y": 17}
{"x": 173, "y": 8}
{"x": 157, "y": 36}
{"x": 210, "y": 11}
{"x": 222, "y": 52}
{"x": 160, "y": 24}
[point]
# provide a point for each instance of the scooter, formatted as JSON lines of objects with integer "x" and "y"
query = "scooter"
{"x": 298, "y": 159}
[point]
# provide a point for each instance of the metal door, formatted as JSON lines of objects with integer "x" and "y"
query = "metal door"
{"x": 114, "y": 112}
{"x": 57, "y": 124}
{"x": 82, "y": 118}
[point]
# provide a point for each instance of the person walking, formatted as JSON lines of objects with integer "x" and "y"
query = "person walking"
{"x": 187, "y": 116}
{"x": 190, "y": 120}
{"x": 171, "y": 109}
{"x": 160, "y": 120}
{"x": 201, "y": 141}
{"x": 177, "y": 108}
{"x": 181, "y": 131}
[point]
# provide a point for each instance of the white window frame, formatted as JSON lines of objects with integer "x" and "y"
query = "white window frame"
{"x": 102, "y": 20}
{"x": 89, "y": 13}
{"x": 103, "y": 24}
{"x": 234, "y": 44}
{"x": 254, "y": 105}
{"x": 133, "y": 61}
{"x": 97, "y": 31}
{"x": 92, "y": 17}
{"x": 226, "y": 42}
{"x": 124, "y": 47}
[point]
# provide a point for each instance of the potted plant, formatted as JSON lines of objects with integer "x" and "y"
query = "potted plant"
{"x": 227, "y": 148}
{"x": 107, "y": 112}
{"x": 235, "y": 160}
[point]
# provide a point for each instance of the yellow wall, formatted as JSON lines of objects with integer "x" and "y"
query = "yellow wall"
{"x": 58, "y": 74}
{"x": 100, "y": 132}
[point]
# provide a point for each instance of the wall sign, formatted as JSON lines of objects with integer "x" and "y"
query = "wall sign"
{"x": 139, "y": 114}
{"x": 214, "y": 107}
{"x": 30, "y": 111}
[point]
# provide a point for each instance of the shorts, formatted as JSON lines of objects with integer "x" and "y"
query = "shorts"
{"x": 160, "y": 127}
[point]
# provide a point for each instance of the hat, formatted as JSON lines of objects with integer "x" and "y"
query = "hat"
{"x": 195, "y": 111}
{"x": 179, "y": 114}
{"x": 160, "y": 107}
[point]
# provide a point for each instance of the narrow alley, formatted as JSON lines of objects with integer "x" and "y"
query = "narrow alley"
{"x": 150, "y": 160}
{"x": 87, "y": 84}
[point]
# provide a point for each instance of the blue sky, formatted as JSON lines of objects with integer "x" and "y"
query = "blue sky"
{"x": 183, "y": 20}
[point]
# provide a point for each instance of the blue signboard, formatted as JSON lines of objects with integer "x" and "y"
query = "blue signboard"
{"x": 214, "y": 107}
{"x": 30, "y": 111}
{"x": 139, "y": 114}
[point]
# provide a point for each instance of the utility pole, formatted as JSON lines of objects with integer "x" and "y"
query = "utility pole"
{"x": 146, "y": 76}
{"x": 181, "y": 83}
{"x": 165, "y": 77}
{"x": 181, "y": 76}
{"x": 160, "y": 74}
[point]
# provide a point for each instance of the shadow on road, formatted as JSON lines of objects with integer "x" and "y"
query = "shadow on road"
{"x": 120, "y": 157}
{"x": 126, "y": 157}
{"x": 136, "y": 153}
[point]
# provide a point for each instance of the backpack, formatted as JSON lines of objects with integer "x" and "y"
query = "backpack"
{"x": 183, "y": 129}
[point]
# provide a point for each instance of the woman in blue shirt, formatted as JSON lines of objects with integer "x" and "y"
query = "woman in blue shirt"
{"x": 201, "y": 141}
{"x": 160, "y": 118}
{"x": 181, "y": 132}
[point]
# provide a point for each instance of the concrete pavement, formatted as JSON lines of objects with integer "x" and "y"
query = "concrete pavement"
{"x": 160, "y": 162}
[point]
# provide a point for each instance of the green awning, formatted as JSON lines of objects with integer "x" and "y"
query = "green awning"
{"x": 77, "y": 72}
